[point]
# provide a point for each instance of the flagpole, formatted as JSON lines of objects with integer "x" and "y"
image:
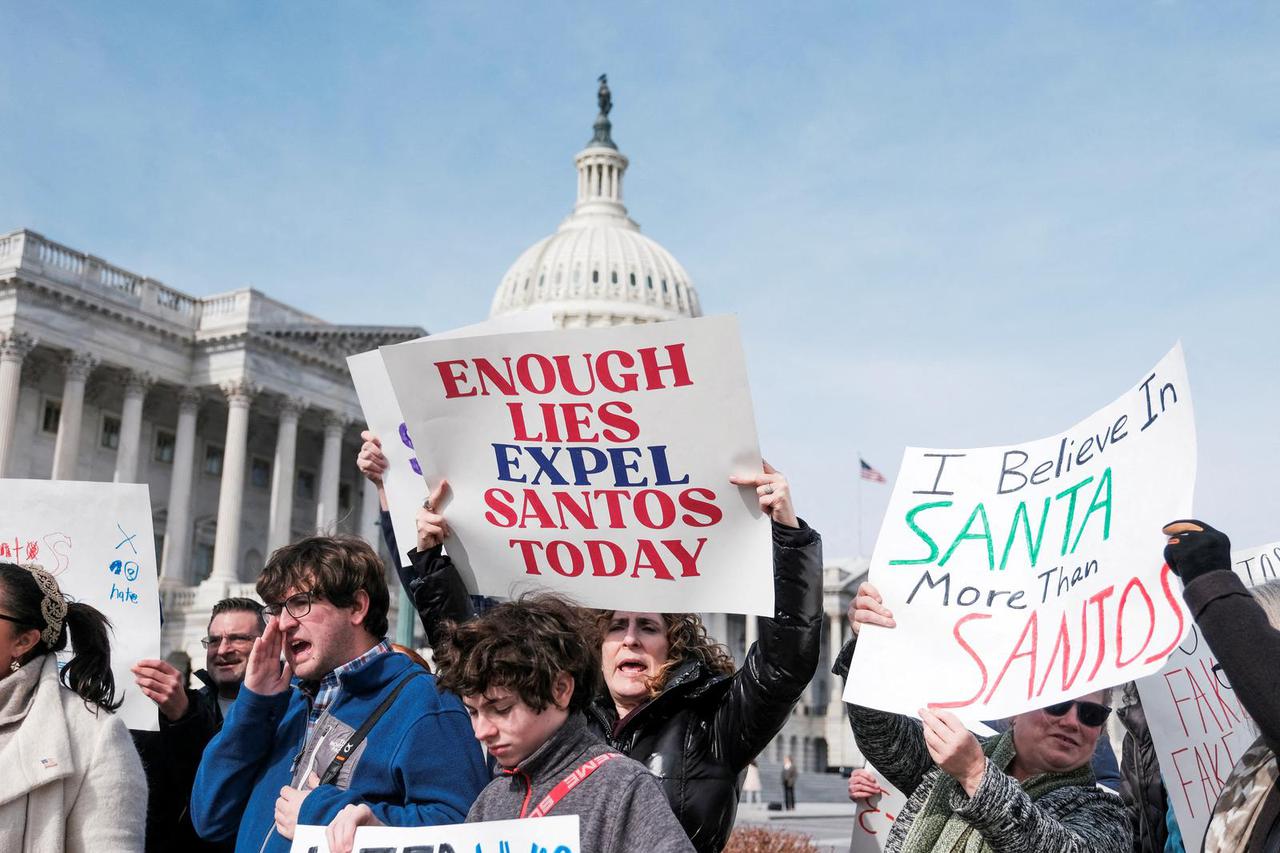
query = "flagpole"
{"x": 859, "y": 499}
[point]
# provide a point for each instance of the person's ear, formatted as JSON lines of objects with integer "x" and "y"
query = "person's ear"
{"x": 562, "y": 690}
{"x": 24, "y": 642}
{"x": 359, "y": 606}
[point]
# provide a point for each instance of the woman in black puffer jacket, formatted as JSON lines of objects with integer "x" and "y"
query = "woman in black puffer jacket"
{"x": 674, "y": 701}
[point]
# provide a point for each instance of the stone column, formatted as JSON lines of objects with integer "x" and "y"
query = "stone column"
{"x": 135, "y": 391}
{"x": 331, "y": 462}
{"x": 66, "y": 451}
{"x": 835, "y": 702}
{"x": 177, "y": 526}
{"x": 280, "y": 527}
{"x": 13, "y": 350}
{"x": 226, "y": 546}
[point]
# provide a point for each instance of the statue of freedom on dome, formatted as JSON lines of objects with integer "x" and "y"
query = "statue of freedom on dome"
{"x": 604, "y": 97}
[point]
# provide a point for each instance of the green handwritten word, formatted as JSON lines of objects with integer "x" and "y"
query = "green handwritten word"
{"x": 978, "y": 526}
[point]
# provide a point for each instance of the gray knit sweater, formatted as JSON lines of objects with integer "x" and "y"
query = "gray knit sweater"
{"x": 1073, "y": 819}
{"x": 620, "y": 806}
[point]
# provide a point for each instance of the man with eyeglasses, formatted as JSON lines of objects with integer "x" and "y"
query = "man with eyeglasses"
{"x": 342, "y": 721}
{"x": 190, "y": 718}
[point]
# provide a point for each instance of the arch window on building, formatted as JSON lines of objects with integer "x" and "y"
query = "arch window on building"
{"x": 50, "y": 415}
{"x": 344, "y": 498}
{"x": 163, "y": 446}
{"x": 595, "y": 276}
{"x": 212, "y": 460}
{"x": 260, "y": 472}
{"x": 109, "y": 436}
{"x": 306, "y": 485}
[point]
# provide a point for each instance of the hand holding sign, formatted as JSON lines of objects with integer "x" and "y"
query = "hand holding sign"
{"x": 431, "y": 526}
{"x": 863, "y": 785}
{"x": 341, "y": 834}
{"x": 774, "y": 492}
{"x": 867, "y": 608}
{"x": 954, "y": 748}
{"x": 163, "y": 685}
{"x": 371, "y": 461}
{"x": 265, "y": 674}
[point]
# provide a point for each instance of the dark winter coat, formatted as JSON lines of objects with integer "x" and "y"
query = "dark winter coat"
{"x": 1141, "y": 787}
{"x": 701, "y": 732}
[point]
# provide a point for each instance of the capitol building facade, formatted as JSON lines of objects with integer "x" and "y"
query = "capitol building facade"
{"x": 238, "y": 411}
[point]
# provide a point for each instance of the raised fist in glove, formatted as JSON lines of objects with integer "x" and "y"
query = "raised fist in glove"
{"x": 1195, "y": 549}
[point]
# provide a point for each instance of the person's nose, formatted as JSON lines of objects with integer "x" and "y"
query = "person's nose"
{"x": 484, "y": 729}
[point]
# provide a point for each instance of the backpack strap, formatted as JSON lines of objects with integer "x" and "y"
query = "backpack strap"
{"x": 357, "y": 737}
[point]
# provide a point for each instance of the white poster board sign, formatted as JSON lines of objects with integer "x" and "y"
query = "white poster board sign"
{"x": 403, "y": 479}
{"x": 1022, "y": 575}
{"x": 873, "y": 818}
{"x": 1199, "y": 728}
{"x": 309, "y": 839}
{"x": 596, "y": 462}
{"x": 98, "y": 540}
{"x": 555, "y": 834}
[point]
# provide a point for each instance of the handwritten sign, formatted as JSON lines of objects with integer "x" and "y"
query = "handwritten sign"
{"x": 403, "y": 479}
{"x": 873, "y": 818}
{"x": 1026, "y": 574}
{"x": 97, "y": 539}
{"x": 558, "y": 834}
{"x": 596, "y": 462}
{"x": 1197, "y": 725}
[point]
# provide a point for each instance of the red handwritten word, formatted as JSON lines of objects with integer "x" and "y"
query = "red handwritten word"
{"x": 53, "y": 551}
{"x": 1108, "y": 617}
{"x": 533, "y": 373}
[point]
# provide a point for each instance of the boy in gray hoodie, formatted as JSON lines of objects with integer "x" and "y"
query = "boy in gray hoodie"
{"x": 525, "y": 670}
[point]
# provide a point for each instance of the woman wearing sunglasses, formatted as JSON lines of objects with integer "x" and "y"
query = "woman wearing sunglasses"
{"x": 1030, "y": 788}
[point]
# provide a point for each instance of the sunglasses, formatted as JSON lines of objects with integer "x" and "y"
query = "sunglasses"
{"x": 1089, "y": 714}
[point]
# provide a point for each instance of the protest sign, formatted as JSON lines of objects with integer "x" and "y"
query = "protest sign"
{"x": 873, "y": 818}
{"x": 559, "y": 834}
{"x": 402, "y": 481}
{"x": 97, "y": 539}
{"x": 1197, "y": 724}
{"x": 596, "y": 462}
{"x": 1023, "y": 575}
{"x": 309, "y": 839}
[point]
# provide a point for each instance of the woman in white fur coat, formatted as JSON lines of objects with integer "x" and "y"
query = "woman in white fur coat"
{"x": 70, "y": 778}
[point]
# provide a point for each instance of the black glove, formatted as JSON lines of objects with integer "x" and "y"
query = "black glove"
{"x": 1196, "y": 552}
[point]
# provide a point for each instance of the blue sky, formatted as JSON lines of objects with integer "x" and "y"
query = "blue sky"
{"x": 940, "y": 224}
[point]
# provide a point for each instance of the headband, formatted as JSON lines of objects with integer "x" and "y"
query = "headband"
{"x": 53, "y": 607}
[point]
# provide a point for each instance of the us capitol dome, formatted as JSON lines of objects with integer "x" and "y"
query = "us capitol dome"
{"x": 597, "y": 269}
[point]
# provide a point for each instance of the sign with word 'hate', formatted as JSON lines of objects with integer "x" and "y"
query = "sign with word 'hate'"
{"x": 1022, "y": 575}
{"x": 595, "y": 462}
{"x": 97, "y": 540}
{"x": 402, "y": 481}
{"x": 558, "y": 834}
{"x": 1197, "y": 724}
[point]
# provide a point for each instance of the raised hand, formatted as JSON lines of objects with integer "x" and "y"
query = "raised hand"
{"x": 371, "y": 461}
{"x": 1195, "y": 549}
{"x": 264, "y": 673}
{"x": 867, "y": 608}
{"x": 432, "y": 528}
{"x": 774, "y": 493}
{"x": 863, "y": 785}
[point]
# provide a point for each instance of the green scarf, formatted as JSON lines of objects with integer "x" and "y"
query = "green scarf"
{"x": 937, "y": 829}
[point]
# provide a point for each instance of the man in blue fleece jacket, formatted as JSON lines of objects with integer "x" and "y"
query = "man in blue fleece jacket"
{"x": 289, "y": 751}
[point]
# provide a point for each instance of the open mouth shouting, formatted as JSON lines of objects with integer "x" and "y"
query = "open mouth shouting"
{"x": 297, "y": 650}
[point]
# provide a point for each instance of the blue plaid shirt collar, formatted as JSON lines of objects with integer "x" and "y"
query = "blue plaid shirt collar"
{"x": 329, "y": 687}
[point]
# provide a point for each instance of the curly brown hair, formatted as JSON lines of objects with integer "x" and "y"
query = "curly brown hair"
{"x": 522, "y": 645}
{"x": 686, "y": 639}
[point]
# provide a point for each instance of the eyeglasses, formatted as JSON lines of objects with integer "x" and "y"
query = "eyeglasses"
{"x": 1089, "y": 714}
{"x": 12, "y": 619}
{"x": 233, "y": 640}
{"x": 297, "y": 606}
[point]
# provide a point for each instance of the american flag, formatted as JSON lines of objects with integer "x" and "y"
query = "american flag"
{"x": 869, "y": 473}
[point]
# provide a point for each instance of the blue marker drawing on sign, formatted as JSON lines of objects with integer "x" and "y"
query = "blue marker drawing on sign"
{"x": 131, "y": 570}
{"x": 408, "y": 442}
{"x": 116, "y": 567}
{"x": 128, "y": 539}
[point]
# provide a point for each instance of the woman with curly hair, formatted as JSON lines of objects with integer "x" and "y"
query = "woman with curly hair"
{"x": 673, "y": 699}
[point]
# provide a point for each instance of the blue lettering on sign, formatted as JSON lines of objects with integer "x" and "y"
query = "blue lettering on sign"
{"x": 126, "y": 595}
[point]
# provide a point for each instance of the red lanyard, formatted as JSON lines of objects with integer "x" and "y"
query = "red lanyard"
{"x": 570, "y": 782}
